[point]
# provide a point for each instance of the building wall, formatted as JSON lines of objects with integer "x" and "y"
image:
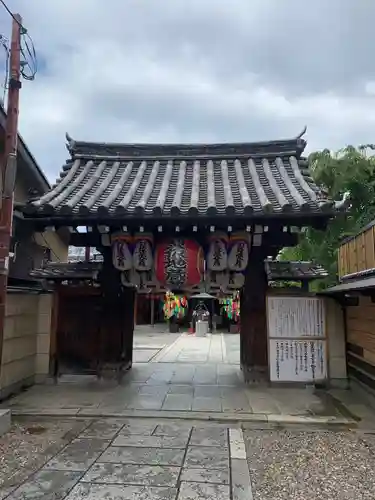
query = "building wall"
{"x": 336, "y": 343}
{"x": 25, "y": 358}
{"x": 360, "y": 325}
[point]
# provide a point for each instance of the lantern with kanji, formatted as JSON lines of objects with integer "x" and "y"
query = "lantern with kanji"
{"x": 121, "y": 251}
{"x": 217, "y": 251}
{"x": 179, "y": 263}
{"x": 238, "y": 254}
{"x": 142, "y": 253}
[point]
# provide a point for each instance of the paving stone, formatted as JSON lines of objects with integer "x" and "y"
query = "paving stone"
{"x": 119, "y": 492}
{"x": 5, "y": 421}
{"x": 103, "y": 429}
{"x": 152, "y": 441}
{"x": 200, "y": 491}
{"x": 205, "y": 476}
{"x": 137, "y": 426}
{"x": 263, "y": 405}
{"x": 177, "y": 402}
{"x": 46, "y": 485}
{"x": 145, "y": 475}
{"x": 173, "y": 429}
{"x": 237, "y": 444}
{"x": 78, "y": 455}
{"x": 154, "y": 390}
{"x": 207, "y": 457}
{"x": 146, "y": 402}
{"x": 241, "y": 483}
{"x": 209, "y": 437}
{"x": 143, "y": 456}
{"x": 144, "y": 355}
{"x": 181, "y": 389}
{"x": 5, "y": 491}
{"x": 207, "y": 391}
{"x": 239, "y": 403}
{"x": 207, "y": 404}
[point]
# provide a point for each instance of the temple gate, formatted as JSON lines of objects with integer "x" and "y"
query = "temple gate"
{"x": 182, "y": 217}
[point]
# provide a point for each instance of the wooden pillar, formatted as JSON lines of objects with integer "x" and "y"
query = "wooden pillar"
{"x": 152, "y": 310}
{"x": 253, "y": 343}
{"x": 135, "y": 309}
{"x": 117, "y": 318}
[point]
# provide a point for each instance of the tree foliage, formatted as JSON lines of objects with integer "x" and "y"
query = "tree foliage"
{"x": 348, "y": 170}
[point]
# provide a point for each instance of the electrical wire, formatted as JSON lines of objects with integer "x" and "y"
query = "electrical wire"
{"x": 29, "y": 66}
{"x": 48, "y": 246}
{"x": 5, "y": 44}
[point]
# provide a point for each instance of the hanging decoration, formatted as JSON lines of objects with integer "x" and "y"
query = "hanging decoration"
{"x": 142, "y": 253}
{"x": 231, "y": 307}
{"x": 174, "y": 306}
{"x": 121, "y": 251}
{"x": 179, "y": 263}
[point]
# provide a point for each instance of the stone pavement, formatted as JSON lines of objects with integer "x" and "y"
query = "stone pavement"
{"x": 144, "y": 460}
{"x": 180, "y": 376}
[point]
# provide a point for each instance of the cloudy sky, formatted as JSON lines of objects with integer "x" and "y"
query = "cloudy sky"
{"x": 197, "y": 71}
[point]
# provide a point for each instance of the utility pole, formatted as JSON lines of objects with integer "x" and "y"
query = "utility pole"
{"x": 8, "y": 164}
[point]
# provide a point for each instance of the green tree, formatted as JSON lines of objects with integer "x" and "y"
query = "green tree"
{"x": 348, "y": 170}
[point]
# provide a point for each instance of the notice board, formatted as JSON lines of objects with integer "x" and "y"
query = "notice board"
{"x": 297, "y": 346}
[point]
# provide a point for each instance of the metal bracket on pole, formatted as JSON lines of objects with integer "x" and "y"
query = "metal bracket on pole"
{"x": 10, "y": 175}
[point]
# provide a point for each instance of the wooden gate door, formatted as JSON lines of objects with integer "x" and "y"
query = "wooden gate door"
{"x": 93, "y": 331}
{"x": 78, "y": 331}
{"x": 116, "y": 331}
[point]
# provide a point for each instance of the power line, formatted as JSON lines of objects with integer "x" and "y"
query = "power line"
{"x": 10, "y": 13}
{"x": 5, "y": 44}
{"x": 29, "y": 67}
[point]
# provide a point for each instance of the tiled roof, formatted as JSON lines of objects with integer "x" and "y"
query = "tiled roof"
{"x": 276, "y": 270}
{"x": 294, "y": 270}
{"x": 244, "y": 179}
{"x": 67, "y": 270}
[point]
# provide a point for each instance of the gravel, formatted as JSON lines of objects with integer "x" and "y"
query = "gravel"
{"x": 29, "y": 444}
{"x": 308, "y": 465}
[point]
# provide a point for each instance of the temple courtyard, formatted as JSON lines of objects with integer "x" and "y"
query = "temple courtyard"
{"x": 182, "y": 425}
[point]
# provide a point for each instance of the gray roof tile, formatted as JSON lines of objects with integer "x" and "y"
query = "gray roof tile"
{"x": 183, "y": 180}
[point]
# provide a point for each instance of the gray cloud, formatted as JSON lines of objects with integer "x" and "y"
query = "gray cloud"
{"x": 198, "y": 70}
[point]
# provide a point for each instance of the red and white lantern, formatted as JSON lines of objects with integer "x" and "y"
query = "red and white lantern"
{"x": 179, "y": 263}
{"x": 121, "y": 251}
{"x": 238, "y": 254}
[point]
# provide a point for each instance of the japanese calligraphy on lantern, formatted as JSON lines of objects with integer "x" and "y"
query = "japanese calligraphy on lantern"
{"x": 293, "y": 317}
{"x": 297, "y": 360}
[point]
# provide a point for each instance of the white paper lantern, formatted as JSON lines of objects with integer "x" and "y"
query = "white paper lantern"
{"x": 121, "y": 255}
{"x": 238, "y": 255}
{"x": 217, "y": 252}
{"x": 142, "y": 254}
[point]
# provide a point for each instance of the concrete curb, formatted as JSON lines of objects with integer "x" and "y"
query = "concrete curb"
{"x": 276, "y": 419}
{"x": 5, "y": 421}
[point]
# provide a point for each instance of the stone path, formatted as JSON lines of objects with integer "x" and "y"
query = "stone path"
{"x": 144, "y": 460}
{"x": 180, "y": 376}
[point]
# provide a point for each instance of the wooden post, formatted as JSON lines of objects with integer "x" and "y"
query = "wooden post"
{"x": 8, "y": 164}
{"x": 135, "y": 308}
{"x": 253, "y": 342}
{"x": 117, "y": 318}
{"x": 152, "y": 310}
